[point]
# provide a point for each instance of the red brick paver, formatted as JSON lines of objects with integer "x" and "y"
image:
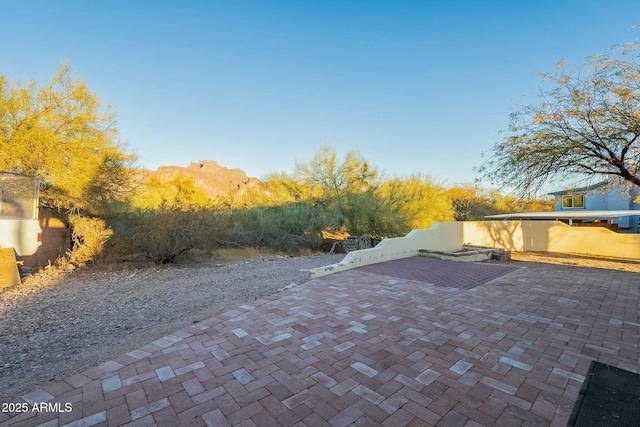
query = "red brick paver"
{"x": 370, "y": 348}
{"x": 438, "y": 272}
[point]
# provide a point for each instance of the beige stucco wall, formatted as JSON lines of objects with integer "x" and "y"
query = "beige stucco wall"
{"x": 537, "y": 236}
{"x": 503, "y": 234}
{"x": 551, "y": 236}
{"x": 592, "y": 241}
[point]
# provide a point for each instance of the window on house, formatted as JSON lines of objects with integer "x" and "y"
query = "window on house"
{"x": 573, "y": 201}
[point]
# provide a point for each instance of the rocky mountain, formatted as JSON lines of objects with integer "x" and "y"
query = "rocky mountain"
{"x": 214, "y": 179}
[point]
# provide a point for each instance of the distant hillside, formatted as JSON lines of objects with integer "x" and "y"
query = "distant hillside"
{"x": 214, "y": 179}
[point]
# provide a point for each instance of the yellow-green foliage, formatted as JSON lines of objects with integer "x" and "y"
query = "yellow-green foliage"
{"x": 353, "y": 197}
{"x": 276, "y": 189}
{"x": 471, "y": 203}
{"x": 325, "y": 176}
{"x": 417, "y": 199}
{"x": 89, "y": 237}
{"x": 177, "y": 192}
{"x": 583, "y": 126}
{"x": 61, "y": 133}
{"x": 163, "y": 234}
{"x": 289, "y": 227}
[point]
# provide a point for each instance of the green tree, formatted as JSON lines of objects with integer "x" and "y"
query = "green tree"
{"x": 470, "y": 203}
{"x": 277, "y": 189}
{"x": 328, "y": 176}
{"x": 586, "y": 124}
{"x": 178, "y": 192}
{"x": 415, "y": 201}
{"x": 61, "y": 133}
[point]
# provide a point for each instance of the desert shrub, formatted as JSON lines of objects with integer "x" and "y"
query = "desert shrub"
{"x": 117, "y": 249}
{"x": 367, "y": 213}
{"x": 89, "y": 237}
{"x": 167, "y": 193}
{"x": 161, "y": 235}
{"x": 393, "y": 208}
{"x": 414, "y": 201}
{"x": 288, "y": 228}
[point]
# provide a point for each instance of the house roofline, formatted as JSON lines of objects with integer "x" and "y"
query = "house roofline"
{"x": 556, "y": 215}
{"x": 580, "y": 189}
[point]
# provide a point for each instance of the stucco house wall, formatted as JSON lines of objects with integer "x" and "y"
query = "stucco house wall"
{"x": 604, "y": 196}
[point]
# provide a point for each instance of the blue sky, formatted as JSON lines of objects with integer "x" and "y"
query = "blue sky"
{"x": 415, "y": 86}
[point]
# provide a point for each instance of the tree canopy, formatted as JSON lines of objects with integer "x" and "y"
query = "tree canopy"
{"x": 472, "y": 203}
{"x": 61, "y": 133}
{"x": 359, "y": 200}
{"x": 327, "y": 176}
{"x": 585, "y": 125}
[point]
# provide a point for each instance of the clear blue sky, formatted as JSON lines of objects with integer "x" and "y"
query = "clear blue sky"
{"x": 415, "y": 86}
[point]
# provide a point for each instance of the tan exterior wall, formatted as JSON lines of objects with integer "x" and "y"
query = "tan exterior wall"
{"x": 56, "y": 240}
{"x": 509, "y": 235}
{"x": 536, "y": 236}
{"x": 552, "y": 236}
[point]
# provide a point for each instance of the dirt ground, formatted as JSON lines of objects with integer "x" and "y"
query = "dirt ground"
{"x": 578, "y": 260}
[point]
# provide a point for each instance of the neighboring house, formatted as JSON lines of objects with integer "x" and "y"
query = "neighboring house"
{"x": 600, "y": 197}
{"x": 613, "y": 206}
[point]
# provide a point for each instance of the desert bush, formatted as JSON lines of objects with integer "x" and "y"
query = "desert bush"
{"x": 393, "y": 207}
{"x": 288, "y": 228}
{"x": 160, "y": 235}
{"x": 415, "y": 201}
{"x": 367, "y": 213}
{"x": 89, "y": 237}
{"x": 179, "y": 192}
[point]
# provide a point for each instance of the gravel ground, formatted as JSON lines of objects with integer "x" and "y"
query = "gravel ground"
{"x": 578, "y": 260}
{"x": 53, "y": 326}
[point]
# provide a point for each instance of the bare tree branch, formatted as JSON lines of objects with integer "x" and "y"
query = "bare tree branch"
{"x": 587, "y": 124}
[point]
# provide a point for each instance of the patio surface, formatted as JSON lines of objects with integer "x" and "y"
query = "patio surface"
{"x": 390, "y": 344}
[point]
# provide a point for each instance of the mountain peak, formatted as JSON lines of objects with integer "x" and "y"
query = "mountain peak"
{"x": 214, "y": 179}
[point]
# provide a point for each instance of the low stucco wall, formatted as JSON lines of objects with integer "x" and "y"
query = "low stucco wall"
{"x": 443, "y": 236}
{"x": 536, "y": 236}
{"x": 552, "y": 236}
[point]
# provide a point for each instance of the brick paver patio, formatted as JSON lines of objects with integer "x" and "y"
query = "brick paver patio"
{"x": 369, "y": 347}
